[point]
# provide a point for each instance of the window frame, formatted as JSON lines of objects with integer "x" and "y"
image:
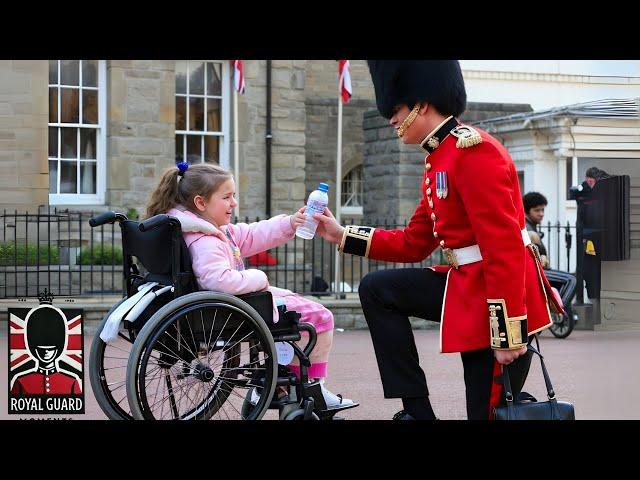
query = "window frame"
{"x": 349, "y": 209}
{"x": 97, "y": 198}
{"x": 225, "y": 110}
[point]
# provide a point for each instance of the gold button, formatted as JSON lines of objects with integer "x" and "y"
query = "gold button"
{"x": 428, "y": 180}
{"x": 431, "y": 203}
{"x": 428, "y": 166}
{"x": 433, "y": 217}
{"x": 429, "y": 191}
{"x": 442, "y": 243}
{"x": 435, "y": 234}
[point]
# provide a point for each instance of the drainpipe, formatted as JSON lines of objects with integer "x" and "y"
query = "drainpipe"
{"x": 268, "y": 138}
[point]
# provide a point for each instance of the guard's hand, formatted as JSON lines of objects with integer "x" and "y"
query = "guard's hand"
{"x": 297, "y": 219}
{"x": 328, "y": 228}
{"x": 505, "y": 357}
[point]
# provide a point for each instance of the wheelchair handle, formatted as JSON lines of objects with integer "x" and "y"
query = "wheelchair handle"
{"x": 155, "y": 221}
{"x": 107, "y": 217}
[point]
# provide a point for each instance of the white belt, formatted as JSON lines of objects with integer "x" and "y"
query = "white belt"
{"x": 471, "y": 254}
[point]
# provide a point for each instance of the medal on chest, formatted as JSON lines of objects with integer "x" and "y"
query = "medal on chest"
{"x": 442, "y": 187}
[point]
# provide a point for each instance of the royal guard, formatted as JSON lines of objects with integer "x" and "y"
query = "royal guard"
{"x": 493, "y": 295}
{"x": 46, "y": 334}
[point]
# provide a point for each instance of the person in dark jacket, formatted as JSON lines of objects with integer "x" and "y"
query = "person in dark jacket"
{"x": 534, "y": 204}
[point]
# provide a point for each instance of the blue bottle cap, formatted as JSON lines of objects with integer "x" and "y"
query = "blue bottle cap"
{"x": 323, "y": 187}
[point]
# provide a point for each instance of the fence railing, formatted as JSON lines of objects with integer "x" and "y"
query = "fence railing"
{"x": 559, "y": 241}
{"x": 60, "y": 251}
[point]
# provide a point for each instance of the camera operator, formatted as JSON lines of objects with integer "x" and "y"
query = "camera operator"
{"x": 590, "y": 250}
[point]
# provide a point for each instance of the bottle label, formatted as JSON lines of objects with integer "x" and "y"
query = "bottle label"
{"x": 315, "y": 206}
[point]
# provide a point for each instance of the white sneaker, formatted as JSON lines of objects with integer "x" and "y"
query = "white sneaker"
{"x": 335, "y": 401}
{"x": 254, "y": 398}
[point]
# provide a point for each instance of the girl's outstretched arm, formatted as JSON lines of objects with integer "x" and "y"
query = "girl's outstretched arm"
{"x": 257, "y": 237}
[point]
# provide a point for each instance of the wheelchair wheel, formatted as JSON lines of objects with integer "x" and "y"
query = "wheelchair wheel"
{"x": 198, "y": 357}
{"x": 107, "y": 372}
{"x": 562, "y": 325}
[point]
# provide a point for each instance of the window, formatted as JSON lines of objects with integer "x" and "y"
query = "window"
{"x": 352, "y": 191}
{"x": 569, "y": 176}
{"x": 521, "y": 181}
{"x": 202, "y": 110}
{"x": 76, "y": 131}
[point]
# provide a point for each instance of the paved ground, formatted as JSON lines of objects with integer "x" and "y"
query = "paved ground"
{"x": 595, "y": 370}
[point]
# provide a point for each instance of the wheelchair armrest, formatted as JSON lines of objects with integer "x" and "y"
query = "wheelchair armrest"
{"x": 262, "y": 302}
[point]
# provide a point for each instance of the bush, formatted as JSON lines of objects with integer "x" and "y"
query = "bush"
{"x": 12, "y": 254}
{"x": 132, "y": 214}
{"x": 102, "y": 255}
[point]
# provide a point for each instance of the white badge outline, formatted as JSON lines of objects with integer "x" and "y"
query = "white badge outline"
{"x": 285, "y": 353}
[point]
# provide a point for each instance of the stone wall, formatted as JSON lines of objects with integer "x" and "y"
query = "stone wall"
{"x": 288, "y": 119}
{"x": 141, "y": 129}
{"x": 24, "y": 110}
{"x": 392, "y": 172}
{"x": 322, "y": 79}
{"x": 322, "y": 122}
{"x": 321, "y": 148}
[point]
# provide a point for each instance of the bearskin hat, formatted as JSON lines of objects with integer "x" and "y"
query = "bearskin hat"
{"x": 46, "y": 326}
{"x": 438, "y": 82}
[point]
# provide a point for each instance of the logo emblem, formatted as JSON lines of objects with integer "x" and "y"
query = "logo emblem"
{"x": 46, "y": 359}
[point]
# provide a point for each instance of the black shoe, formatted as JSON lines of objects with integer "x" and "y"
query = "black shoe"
{"x": 402, "y": 415}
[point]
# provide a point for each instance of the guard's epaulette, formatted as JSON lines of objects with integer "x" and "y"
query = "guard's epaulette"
{"x": 467, "y": 136}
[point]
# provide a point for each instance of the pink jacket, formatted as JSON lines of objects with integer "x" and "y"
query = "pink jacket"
{"x": 215, "y": 264}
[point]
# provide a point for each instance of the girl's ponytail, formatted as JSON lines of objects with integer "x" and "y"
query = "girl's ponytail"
{"x": 165, "y": 196}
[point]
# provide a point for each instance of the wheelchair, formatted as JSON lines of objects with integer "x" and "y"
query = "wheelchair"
{"x": 196, "y": 355}
{"x": 566, "y": 284}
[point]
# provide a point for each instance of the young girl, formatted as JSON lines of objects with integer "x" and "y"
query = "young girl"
{"x": 202, "y": 197}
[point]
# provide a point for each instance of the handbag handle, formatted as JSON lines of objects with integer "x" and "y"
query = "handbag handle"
{"x": 507, "y": 382}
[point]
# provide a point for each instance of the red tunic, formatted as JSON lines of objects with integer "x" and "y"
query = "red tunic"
{"x": 483, "y": 206}
{"x": 52, "y": 383}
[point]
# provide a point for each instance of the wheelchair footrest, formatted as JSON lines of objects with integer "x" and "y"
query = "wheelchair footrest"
{"x": 338, "y": 408}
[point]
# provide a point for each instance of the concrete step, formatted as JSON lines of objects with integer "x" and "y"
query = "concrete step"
{"x": 617, "y": 326}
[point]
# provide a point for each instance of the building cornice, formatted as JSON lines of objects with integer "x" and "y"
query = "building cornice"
{"x": 548, "y": 77}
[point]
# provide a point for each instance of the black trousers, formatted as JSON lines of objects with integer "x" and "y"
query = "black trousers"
{"x": 389, "y": 298}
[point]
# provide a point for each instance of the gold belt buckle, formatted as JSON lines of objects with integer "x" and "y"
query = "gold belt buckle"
{"x": 451, "y": 257}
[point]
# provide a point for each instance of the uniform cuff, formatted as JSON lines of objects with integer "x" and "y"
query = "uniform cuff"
{"x": 507, "y": 333}
{"x": 356, "y": 240}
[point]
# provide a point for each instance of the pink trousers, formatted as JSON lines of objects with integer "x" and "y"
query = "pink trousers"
{"x": 322, "y": 319}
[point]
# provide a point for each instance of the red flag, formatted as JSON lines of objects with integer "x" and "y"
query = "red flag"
{"x": 344, "y": 80}
{"x": 238, "y": 76}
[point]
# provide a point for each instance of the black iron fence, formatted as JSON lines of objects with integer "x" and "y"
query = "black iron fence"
{"x": 559, "y": 241}
{"x": 58, "y": 250}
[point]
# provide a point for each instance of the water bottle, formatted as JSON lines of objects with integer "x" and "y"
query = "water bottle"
{"x": 318, "y": 201}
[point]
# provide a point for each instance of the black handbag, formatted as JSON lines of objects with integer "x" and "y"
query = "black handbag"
{"x": 525, "y": 409}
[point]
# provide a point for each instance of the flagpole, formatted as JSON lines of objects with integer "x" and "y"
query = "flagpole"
{"x": 338, "y": 191}
{"x": 236, "y": 166}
